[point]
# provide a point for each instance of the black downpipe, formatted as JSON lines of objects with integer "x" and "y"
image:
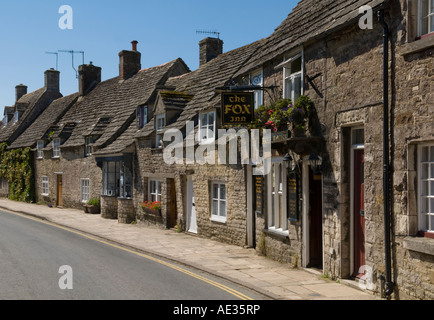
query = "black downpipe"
{"x": 386, "y": 162}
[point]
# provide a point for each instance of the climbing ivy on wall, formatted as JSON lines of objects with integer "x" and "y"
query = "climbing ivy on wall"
{"x": 16, "y": 166}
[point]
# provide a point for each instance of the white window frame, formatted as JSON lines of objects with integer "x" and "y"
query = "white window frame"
{"x": 87, "y": 146}
{"x": 429, "y": 17}
{"x": 85, "y": 190}
{"x": 160, "y": 124}
{"x": 111, "y": 178}
{"x": 217, "y": 213}
{"x": 288, "y": 75}
{"x": 205, "y": 129}
{"x": 45, "y": 186}
{"x": 40, "y": 147}
{"x": 277, "y": 197}
{"x": 426, "y": 189}
{"x": 16, "y": 116}
{"x": 154, "y": 190}
{"x": 256, "y": 78}
{"x": 56, "y": 148}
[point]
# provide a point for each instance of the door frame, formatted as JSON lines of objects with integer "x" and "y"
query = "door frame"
{"x": 354, "y": 147}
{"x": 190, "y": 205}
{"x": 305, "y": 214}
{"x": 59, "y": 195}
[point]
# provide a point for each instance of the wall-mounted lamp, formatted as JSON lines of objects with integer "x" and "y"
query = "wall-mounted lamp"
{"x": 289, "y": 162}
{"x": 315, "y": 162}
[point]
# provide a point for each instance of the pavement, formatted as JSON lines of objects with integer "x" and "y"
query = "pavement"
{"x": 237, "y": 264}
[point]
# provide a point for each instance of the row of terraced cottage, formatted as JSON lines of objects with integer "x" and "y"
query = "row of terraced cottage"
{"x": 345, "y": 196}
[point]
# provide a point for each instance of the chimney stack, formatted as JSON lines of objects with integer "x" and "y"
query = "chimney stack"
{"x": 52, "y": 78}
{"x": 210, "y": 48}
{"x": 20, "y": 90}
{"x": 129, "y": 62}
{"x": 88, "y": 77}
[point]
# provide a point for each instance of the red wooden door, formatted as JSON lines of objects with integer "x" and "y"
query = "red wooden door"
{"x": 315, "y": 221}
{"x": 359, "y": 211}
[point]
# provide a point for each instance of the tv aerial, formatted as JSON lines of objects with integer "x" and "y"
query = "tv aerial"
{"x": 209, "y": 32}
{"x": 72, "y": 52}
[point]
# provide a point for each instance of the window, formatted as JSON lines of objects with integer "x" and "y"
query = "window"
{"x": 276, "y": 194}
{"x": 17, "y": 116}
{"x": 85, "y": 190}
{"x": 207, "y": 127}
{"x": 154, "y": 190}
{"x": 426, "y": 16}
{"x": 141, "y": 116}
{"x": 40, "y": 152}
{"x": 87, "y": 146}
{"x": 426, "y": 187}
{"x": 256, "y": 79}
{"x": 293, "y": 78}
{"x": 218, "y": 201}
{"x": 45, "y": 191}
{"x": 160, "y": 123}
{"x": 126, "y": 181}
{"x": 111, "y": 178}
{"x": 56, "y": 148}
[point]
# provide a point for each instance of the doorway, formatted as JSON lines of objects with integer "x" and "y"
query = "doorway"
{"x": 59, "y": 191}
{"x": 315, "y": 220}
{"x": 358, "y": 211}
{"x": 172, "y": 214}
{"x": 191, "y": 207}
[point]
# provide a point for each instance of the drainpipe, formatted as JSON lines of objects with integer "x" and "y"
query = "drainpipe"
{"x": 387, "y": 245}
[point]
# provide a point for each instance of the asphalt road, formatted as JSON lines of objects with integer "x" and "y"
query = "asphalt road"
{"x": 39, "y": 261}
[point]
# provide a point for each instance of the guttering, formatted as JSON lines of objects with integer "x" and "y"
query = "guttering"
{"x": 386, "y": 162}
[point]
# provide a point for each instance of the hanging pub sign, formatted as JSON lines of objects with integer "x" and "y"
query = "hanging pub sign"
{"x": 238, "y": 108}
{"x": 259, "y": 194}
{"x": 293, "y": 202}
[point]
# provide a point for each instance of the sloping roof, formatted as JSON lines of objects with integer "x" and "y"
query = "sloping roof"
{"x": 202, "y": 83}
{"x": 44, "y": 122}
{"x": 309, "y": 20}
{"x": 28, "y": 100}
{"x": 114, "y": 100}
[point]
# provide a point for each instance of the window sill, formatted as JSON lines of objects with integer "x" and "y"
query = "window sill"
{"x": 419, "y": 45}
{"x": 278, "y": 233}
{"x": 218, "y": 219}
{"x": 418, "y": 244}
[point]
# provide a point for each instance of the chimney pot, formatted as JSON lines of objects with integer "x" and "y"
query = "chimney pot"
{"x": 129, "y": 62}
{"x": 134, "y": 44}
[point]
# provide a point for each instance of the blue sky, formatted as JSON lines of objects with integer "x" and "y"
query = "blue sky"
{"x": 166, "y": 30}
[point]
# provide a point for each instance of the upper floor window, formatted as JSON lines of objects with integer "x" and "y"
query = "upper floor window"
{"x": 207, "y": 127}
{"x": 293, "y": 77}
{"x": 426, "y": 183}
{"x": 257, "y": 79}
{"x": 160, "y": 123}
{"x": 40, "y": 146}
{"x": 142, "y": 116}
{"x": 87, "y": 146}
{"x": 17, "y": 116}
{"x": 56, "y": 148}
{"x": 426, "y": 16}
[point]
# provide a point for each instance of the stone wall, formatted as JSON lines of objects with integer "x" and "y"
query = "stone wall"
{"x": 109, "y": 207}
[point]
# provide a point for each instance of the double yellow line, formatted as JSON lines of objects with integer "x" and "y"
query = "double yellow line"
{"x": 162, "y": 262}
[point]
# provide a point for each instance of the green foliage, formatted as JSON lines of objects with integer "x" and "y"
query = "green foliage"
{"x": 16, "y": 166}
{"x": 93, "y": 202}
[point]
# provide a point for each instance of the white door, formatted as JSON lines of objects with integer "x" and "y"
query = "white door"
{"x": 191, "y": 209}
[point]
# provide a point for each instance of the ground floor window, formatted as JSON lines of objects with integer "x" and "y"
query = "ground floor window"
{"x": 426, "y": 183}
{"x": 45, "y": 191}
{"x": 111, "y": 178}
{"x": 154, "y": 190}
{"x": 218, "y": 199}
{"x": 85, "y": 190}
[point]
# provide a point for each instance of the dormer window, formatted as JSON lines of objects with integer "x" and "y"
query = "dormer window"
{"x": 56, "y": 148}
{"x": 207, "y": 127}
{"x": 141, "y": 116}
{"x": 17, "y": 116}
{"x": 87, "y": 146}
{"x": 160, "y": 123}
{"x": 40, "y": 147}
